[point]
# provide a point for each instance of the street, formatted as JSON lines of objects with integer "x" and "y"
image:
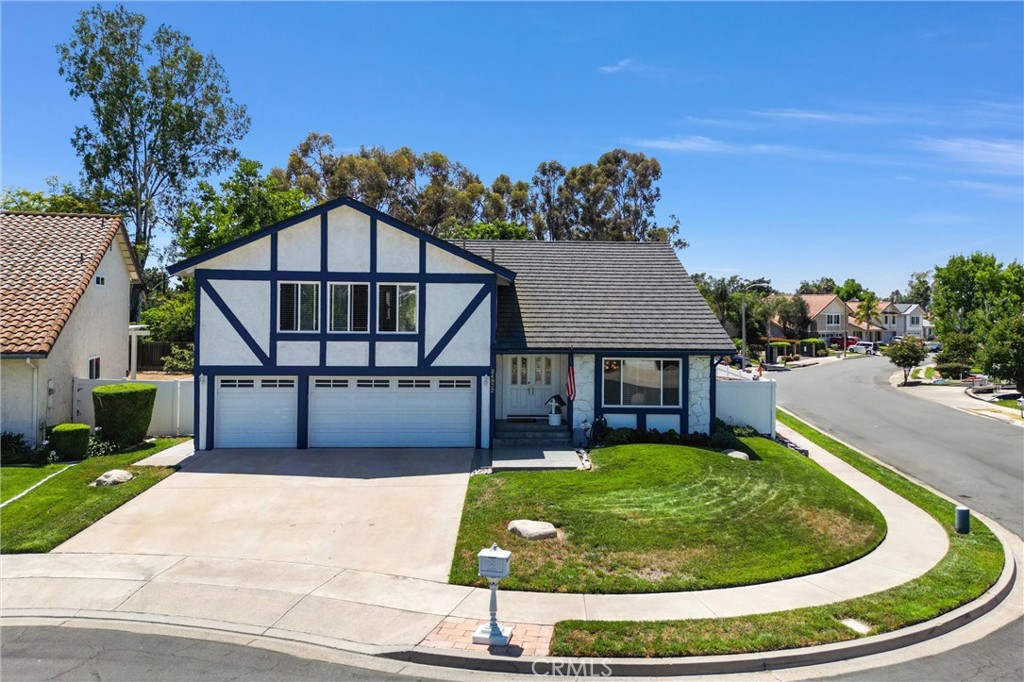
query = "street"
{"x": 977, "y": 461}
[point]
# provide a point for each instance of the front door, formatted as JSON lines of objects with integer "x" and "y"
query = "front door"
{"x": 530, "y": 380}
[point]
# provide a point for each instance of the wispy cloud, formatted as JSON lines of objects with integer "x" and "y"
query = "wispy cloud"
{"x": 721, "y": 123}
{"x": 621, "y": 66}
{"x": 993, "y": 189}
{"x": 636, "y": 67}
{"x": 996, "y": 156}
{"x": 819, "y": 116}
{"x": 706, "y": 145}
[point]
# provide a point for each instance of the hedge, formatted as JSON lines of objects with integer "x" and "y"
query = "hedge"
{"x": 952, "y": 370}
{"x": 123, "y": 411}
{"x": 70, "y": 441}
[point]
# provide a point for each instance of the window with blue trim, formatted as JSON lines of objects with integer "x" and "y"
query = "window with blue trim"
{"x": 298, "y": 307}
{"x": 640, "y": 382}
{"x": 349, "y": 307}
{"x": 396, "y": 308}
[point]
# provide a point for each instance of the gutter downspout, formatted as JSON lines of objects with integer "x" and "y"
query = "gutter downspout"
{"x": 35, "y": 401}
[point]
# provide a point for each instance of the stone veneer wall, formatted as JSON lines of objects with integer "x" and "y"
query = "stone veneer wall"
{"x": 583, "y": 406}
{"x": 699, "y": 394}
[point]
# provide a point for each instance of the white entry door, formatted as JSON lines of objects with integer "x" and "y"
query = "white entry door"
{"x": 530, "y": 381}
{"x": 255, "y": 412}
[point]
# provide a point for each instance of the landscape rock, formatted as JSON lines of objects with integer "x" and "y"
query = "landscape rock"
{"x": 113, "y": 477}
{"x": 736, "y": 454}
{"x": 532, "y": 530}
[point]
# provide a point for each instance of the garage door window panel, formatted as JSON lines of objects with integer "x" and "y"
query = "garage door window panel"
{"x": 298, "y": 307}
{"x": 397, "y": 309}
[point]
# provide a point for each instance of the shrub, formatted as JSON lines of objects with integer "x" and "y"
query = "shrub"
{"x": 822, "y": 353}
{"x": 69, "y": 441}
{"x": 101, "y": 448}
{"x": 14, "y": 449}
{"x": 123, "y": 411}
{"x": 181, "y": 359}
{"x": 952, "y": 370}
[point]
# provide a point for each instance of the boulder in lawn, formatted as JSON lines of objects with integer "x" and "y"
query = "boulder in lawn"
{"x": 532, "y": 530}
{"x": 736, "y": 454}
{"x": 113, "y": 477}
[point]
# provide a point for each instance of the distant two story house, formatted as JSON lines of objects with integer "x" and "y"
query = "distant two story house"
{"x": 344, "y": 327}
{"x": 832, "y": 318}
{"x": 65, "y": 285}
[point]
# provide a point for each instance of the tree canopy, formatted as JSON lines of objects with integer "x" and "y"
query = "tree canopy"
{"x": 613, "y": 199}
{"x": 850, "y": 290}
{"x": 969, "y": 292}
{"x": 59, "y": 197}
{"x": 822, "y": 285}
{"x": 906, "y": 354}
{"x": 161, "y": 115}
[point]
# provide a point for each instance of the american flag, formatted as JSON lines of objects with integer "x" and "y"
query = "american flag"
{"x": 570, "y": 381}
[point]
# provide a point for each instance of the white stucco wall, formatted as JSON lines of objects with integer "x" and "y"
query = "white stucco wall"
{"x": 663, "y": 422}
{"x": 441, "y": 261}
{"x": 252, "y": 256}
{"x": 397, "y": 251}
{"x": 472, "y": 344}
{"x": 396, "y": 354}
{"x": 444, "y": 304}
{"x": 97, "y": 327}
{"x": 348, "y": 240}
{"x": 219, "y": 343}
{"x": 348, "y": 353}
{"x": 699, "y": 394}
{"x": 298, "y": 246}
{"x": 583, "y": 406}
{"x": 298, "y": 353}
{"x": 249, "y": 302}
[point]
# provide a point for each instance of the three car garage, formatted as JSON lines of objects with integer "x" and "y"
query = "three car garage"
{"x": 263, "y": 412}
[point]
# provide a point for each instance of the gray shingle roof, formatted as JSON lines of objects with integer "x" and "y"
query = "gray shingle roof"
{"x": 599, "y": 295}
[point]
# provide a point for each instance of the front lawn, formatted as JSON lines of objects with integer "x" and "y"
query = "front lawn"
{"x": 658, "y": 518}
{"x": 1011, "y": 403}
{"x": 972, "y": 564}
{"x": 14, "y": 480}
{"x": 65, "y": 505}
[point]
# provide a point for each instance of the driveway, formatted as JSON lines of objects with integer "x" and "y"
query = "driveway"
{"x": 385, "y": 511}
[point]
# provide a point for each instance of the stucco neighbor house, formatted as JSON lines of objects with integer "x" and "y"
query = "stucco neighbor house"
{"x": 345, "y": 327}
{"x": 65, "y": 284}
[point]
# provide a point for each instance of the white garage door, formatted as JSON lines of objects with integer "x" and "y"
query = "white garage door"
{"x": 255, "y": 412}
{"x": 392, "y": 412}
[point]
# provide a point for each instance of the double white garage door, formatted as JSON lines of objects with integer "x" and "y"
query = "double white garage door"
{"x": 262, "y": 412}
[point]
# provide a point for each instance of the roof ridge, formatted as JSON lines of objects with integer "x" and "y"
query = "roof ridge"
{"x": 61, "y": 214}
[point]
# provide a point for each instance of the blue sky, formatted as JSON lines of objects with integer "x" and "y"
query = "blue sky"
{"x": 797, "y": 140}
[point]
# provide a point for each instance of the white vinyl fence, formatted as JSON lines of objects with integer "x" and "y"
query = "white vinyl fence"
{"x": 747, "y": 403}
{"x": 172, "y": 412}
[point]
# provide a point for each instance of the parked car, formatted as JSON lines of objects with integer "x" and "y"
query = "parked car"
{"x": 866, "y": 347}
{"x": 850, "y": 341}
{"x": 933, "y": 347}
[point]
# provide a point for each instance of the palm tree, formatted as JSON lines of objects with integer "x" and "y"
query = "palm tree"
{"x": 867, "y": 311}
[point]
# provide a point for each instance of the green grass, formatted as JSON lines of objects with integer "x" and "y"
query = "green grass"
{"x": 915, "y": 373}
{"x": 14, "y": 480}
{"x": 65, "y": 505}
{"x": 972, "y": 564}
{"x": 1012, "y": 404}
{"x": 657, "y": 518}
{"x": 929, "y": 372}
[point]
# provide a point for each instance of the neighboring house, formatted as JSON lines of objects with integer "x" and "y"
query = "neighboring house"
{"x": 830, "y": 317}
{"x": 911, "y": 321}
{"x": 65, "y": 283}
{"x": 871, "y": 330}
{"x": 346, "y": 327}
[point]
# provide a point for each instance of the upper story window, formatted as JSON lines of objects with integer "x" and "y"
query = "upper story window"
{"x": 914, "y": 319}
{"x": 298, "y": 307}
{"x": 349, "y": 307}
{"x": 101, "y": 281}
{"x": 396, "y": 308}
{"x": 94, "y": 368}
{"x": 642, "y": 382}
{"x": 832, "y": 319}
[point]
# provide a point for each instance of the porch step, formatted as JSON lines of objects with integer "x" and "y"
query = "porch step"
{"x": 531, "y": 433}
{"x": 563, "y": 443}
{"x": 539, "y": 426}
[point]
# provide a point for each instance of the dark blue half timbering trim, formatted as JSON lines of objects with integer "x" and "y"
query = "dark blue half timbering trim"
{"x": 273, "y": 298}
{"x": 684, "y": 396}
{"x": 324, "y": 292}
{"x": 302, "y": 420}
{"x": 609, "y": 352}
{"x": 357, "y": 277}
{"x": 457, "y": 326}
{"x": 195, "y": 369}
{"x": 323, "y": 209}
{"x": 479, "y": 406}
{"x": 211, "y": 412}
{"x": 258, "y": 370}
{"x": 421, "y": 303}
{"x": 372, "y": 323}
{"x": 235, "y": 323}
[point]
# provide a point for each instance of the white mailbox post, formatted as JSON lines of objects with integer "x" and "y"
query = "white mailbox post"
{"x": 493, "y": 565}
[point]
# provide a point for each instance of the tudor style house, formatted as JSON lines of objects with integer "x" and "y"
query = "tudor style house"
{"x": 344, "y": 327}
{"x": 64, "y": 301}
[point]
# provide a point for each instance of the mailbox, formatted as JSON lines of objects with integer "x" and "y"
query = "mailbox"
{"x": 494, "y": 562}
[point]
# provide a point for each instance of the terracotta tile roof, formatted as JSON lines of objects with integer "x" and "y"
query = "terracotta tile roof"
{"x": 46, "y": 262}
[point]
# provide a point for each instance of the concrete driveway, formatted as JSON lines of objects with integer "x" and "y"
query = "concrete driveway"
{"x": 386, "y": 511}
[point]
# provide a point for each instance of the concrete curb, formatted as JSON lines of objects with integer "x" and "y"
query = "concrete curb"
{"x": 743, "y": 663}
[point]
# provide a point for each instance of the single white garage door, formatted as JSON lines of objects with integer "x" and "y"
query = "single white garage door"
{"x": 392, "y": 412}
{"x": 255, "y": 412}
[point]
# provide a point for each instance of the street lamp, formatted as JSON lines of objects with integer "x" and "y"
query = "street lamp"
{"x": 756, "y": 284}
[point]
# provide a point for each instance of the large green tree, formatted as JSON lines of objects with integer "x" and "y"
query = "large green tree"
{"x": 162, "y": 115}
{"x": 919, "y": 290}
{"x": 850, "y": 290}
{"x": 868, "y": 310}
{"x": 1003, "y": 353}
{"x": 822, "y": 285}
{"x": 969, "y": 292}
{"x": 906, "y": 354}
{"x": 59, "y": 197}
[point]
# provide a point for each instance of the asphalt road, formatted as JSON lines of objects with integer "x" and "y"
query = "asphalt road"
{"x": 977, "y": 461}
{"x": 61, "y": 653}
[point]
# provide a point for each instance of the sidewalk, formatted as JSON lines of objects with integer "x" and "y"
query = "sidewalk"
{"x": 956, "y": 397}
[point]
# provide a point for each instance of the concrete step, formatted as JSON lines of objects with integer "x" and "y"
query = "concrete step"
{"x": 539, "y": 425}
{"x": 549, "y": 443}
{"x": 556, "y": 434}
